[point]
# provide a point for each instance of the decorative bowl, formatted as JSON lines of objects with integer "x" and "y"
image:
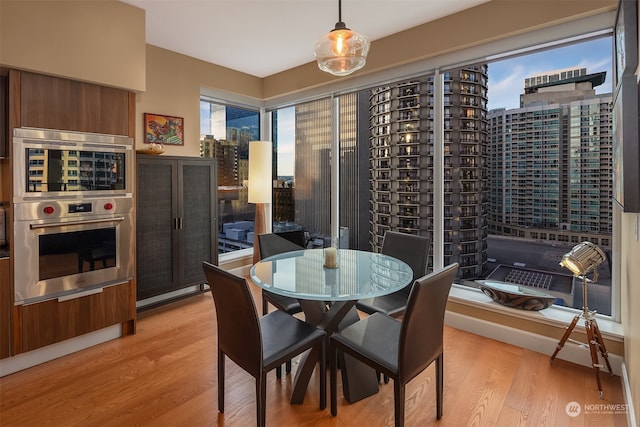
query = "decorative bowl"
{"x": 516, "y": 296}
{"x": 153, "y": 149}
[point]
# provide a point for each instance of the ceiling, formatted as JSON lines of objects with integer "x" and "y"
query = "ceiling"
{"x": 264, "y": 37}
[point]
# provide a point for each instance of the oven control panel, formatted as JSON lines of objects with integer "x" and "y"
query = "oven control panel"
{"x": 79, "y": 207}
{"x": 60, "y": 209}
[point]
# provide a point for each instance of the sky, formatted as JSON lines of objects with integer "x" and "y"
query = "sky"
{"x": 286, "y": 141}
{"x": 506, "y": 78}
{"x": 506, "y": 83}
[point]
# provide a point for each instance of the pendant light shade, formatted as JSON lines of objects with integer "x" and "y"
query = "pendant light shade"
{"x": 341, "y": 51}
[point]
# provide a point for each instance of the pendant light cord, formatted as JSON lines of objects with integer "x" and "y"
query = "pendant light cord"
{"x": 339, "y": 10}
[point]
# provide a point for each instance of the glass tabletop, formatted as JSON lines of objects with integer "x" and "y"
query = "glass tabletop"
{"x": 360, "y": 274}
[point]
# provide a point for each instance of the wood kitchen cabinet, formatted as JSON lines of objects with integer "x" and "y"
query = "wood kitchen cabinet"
{"x": 52, "y": 321}
{"x": 42, "y": 101}
{"x": 175, "y": 222}
{"x": 57, "y": 103}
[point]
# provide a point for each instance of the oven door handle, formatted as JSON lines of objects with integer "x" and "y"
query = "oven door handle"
{"x": 88, "y": 221}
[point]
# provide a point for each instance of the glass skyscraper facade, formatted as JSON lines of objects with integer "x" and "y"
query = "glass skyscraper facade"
{"x": 312, "y": 191}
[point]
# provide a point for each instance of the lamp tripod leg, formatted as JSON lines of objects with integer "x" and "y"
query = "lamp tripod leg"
{"x": 602, "y": 348}
{"x": 564, "y": 338}
{"x": 593, "y": 344}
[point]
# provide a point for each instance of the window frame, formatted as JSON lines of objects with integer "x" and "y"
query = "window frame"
{"x": 232, "y": 100}
{"x": 538, "y": 40}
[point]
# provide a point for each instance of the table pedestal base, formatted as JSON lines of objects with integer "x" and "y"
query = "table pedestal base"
{"x": 358, "y": 380}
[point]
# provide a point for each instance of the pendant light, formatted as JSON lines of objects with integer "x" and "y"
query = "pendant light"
{"x": 341, "y": 51}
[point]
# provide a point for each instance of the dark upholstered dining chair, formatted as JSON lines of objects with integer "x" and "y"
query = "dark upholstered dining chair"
{"x": 401, "y": 349}
{"x": 294, "y": 236}
{"x": 412, "y": 249}
{"x": 274, "y": 244}
{"x": 257, "y": 345}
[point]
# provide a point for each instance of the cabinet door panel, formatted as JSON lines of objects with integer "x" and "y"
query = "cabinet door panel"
{"x": 176, "y": 228}
{"x": 51, "y": 321}
{"x": 155, "y": 227}
{"x": 196, "y": 235}
{"x": 57, "y": 103}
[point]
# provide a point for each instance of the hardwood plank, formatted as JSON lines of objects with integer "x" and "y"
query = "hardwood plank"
{"x": 166, "y": 375}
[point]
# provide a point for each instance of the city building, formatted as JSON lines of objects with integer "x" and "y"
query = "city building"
{"x": 312, "y": 187}
{"x": 551, "y": 161}
{"x": 401, "y": 163}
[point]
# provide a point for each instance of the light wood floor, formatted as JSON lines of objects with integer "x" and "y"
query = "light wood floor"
{"x": 165, "y": 375}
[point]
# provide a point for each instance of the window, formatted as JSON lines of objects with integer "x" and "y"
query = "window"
{"x": 225, "y": 132}
{"x": 505, "y": 173}
{"x": 555, "y": 153}
{"x": 387, "y": 154}
{"x": 302, "y": 194}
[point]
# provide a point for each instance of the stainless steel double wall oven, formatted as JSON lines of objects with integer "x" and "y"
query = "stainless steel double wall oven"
{"x": 73, "y": 213}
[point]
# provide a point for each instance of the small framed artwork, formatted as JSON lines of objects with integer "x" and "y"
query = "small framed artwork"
{"x": 160, "y": 129}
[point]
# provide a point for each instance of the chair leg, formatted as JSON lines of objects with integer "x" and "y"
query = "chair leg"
{"x": 220, "y": 381}
{"x": 439, "y": 384}
{"x": 287, "y": 369}
{"x": 398, "y": 403}
{"x": 379, "y": 375}
{"x": 261, "y": 398}
{"x": 333, "y": 357}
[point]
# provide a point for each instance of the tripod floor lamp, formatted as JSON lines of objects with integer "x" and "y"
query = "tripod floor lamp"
{"x": 584, "y": 258}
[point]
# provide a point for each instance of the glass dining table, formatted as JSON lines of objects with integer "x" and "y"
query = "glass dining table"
{"x": 328, "y": 297}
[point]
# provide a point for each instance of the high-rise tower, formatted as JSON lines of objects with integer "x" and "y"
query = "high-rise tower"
{"x": 551, "y": 161}
{"x": 401, "y": 163}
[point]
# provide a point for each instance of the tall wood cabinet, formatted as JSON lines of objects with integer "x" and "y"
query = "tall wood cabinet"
{"x": 176, "y": 222}
{"x": 41, "y": 101}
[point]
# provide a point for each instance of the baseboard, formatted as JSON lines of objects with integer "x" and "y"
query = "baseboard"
{"x": 169, "y": 297}
{"x": 32, "y": 358}
{"x": 626, "y": 389}
{"x": 571, "y": 352}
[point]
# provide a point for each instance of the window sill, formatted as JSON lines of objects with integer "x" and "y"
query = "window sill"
{"x": 556, "y": 316}
{"x": 235, "y": 255}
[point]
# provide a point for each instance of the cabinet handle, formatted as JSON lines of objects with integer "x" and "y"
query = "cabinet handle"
{"x": 180, "y": 222}
{"x": 80, "y": 294}
{"x": 80, "y": 222}
{"x": 175, "y": 223}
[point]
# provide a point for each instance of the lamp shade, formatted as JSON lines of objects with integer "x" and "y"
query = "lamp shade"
{"x": 342, "y": 51}
{"x": 583, "y": 258}
{"x": 260, "y": 178}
